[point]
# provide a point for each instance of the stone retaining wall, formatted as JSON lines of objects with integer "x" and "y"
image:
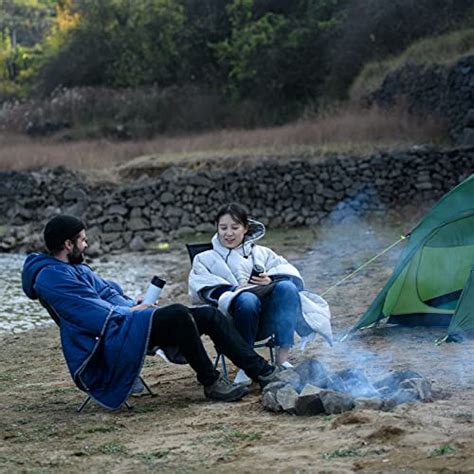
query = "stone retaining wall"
{"x": 447, "y": 91}
{"x": 290, "y": 193}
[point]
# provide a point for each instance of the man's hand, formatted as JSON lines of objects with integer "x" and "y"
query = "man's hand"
{"x": 140, "y": 306}
{"x": 262, "y": 279}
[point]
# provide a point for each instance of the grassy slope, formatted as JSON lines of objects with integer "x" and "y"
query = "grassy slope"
{"x": 346, "y": 130}
{"x": 444, "y": 49}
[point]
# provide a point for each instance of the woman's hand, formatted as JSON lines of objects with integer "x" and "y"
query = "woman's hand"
{"x": 262, "y": 279}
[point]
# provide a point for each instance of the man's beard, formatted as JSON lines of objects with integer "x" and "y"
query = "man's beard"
{"x": 75, "y": 256}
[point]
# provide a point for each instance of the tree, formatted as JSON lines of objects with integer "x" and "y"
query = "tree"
{"x": 275, "y": 50}
{"x": 119, "y": 43}
{"x": 23, "y": 24}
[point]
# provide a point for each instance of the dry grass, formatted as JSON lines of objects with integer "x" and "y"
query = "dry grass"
{"x": 344, "y": 130}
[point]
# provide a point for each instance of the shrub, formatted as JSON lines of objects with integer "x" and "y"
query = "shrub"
{"x": 92, "y": 112}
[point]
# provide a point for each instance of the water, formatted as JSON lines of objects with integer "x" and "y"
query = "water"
{"x": 19, "y": 313}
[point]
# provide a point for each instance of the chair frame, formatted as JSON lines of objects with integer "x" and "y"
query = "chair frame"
{"x": 57, "y": 319}
{"x": 269, "y": 342}
{"x": 88, "y": 397}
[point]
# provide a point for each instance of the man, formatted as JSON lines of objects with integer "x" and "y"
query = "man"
{"x": 105, "y": 335}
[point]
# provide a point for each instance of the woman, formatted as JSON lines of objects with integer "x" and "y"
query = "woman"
{"x": 271, "y": 300}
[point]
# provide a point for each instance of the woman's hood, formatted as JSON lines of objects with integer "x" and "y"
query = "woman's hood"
{"x": 256, "y": 231}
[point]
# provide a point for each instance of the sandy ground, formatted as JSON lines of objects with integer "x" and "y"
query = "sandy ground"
{"x": 180, "y": 431}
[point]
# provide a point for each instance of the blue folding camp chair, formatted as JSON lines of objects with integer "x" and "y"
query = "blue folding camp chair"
{"x": 56, "y": 318}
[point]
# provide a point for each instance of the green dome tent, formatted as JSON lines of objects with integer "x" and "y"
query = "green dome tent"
{"x": 433, "y": 281}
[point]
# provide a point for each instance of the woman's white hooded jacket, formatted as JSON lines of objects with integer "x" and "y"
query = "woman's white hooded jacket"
{"x": 231, "y": 268}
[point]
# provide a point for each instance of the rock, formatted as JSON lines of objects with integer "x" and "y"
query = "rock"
{"x": 94, "y": 250}
{"x": 273, "y": 386}
{"x": 368, "y": 403}
{"x": 7, "y": 244}
{"x": 135, "y": 213}
{"x": 183, "y": 231}
{"x": 336, "y": 402}
{"x": 20, "y": 214}
{"x": 137, "y": 244}
{"x": 309, "y": 402}
{"x": 166, "y": 197}
{"x": 419, "y": 386}
{"x": 108, "y": 237}
{"x": 423, "y": 186}
{"x": 51, "y": 211}
{"x": 75, "y": 194}
{"x": 136, "y": 201}
{"x": 114, "y": 224}
{"x": 286, "y": 398}
{"x": 357, "y": 383}
{"x": 334, "y": 382}
{"x": 117, "y": 209}
{"x": 291, "y": 377}
{"x": 77, "y": 209}
{"x": 270, "y": 403}
{"x": 469, "y": 119}
{"x": 467, "y": 137}
{"x": 138, "y": 223}
{"x": 311, "y": 371}
{"x": 117, "y": 244}
{"x": 401, "y": 396}
{"x": 389, "y": 384}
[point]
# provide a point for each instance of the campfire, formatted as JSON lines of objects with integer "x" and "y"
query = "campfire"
{"x": 311, "y": 389}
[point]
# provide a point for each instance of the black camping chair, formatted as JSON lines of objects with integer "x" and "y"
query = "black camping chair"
{"x": 269, "y": 342}
{"x": 56, "y": 318}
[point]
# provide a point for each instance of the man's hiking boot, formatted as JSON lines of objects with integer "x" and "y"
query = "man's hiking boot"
{"x": 225, "y": 391}
{"x": 271, "y": 377}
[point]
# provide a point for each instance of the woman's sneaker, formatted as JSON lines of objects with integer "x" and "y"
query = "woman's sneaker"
{"x": 242, "y": 378}
{"x": 225, "y": 391}
{"x": 287, "y": 365}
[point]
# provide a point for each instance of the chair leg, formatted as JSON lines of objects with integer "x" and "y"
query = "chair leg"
{"x": 148, "y": 389}
{"x": 221, "y": 357}
{"x": 83, "y": 404}
{"x": 224, "y": 366}
{"x": 272, "y": 355}
{"x": 128, "y": 405}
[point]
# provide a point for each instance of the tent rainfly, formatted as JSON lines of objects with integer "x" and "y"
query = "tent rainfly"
{"x": 433, "y": 281}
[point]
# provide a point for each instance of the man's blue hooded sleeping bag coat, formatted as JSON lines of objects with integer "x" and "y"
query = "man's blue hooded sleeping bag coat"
{"x": 104, "y": 342}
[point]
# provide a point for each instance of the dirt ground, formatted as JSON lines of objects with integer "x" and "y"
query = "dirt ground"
{"x": 180, "y": 431}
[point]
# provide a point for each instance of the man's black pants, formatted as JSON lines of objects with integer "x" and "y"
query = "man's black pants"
{"x": 178, "y": 325}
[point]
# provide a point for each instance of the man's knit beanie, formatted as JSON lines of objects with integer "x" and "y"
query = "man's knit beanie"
{"x": 61, "y": 228}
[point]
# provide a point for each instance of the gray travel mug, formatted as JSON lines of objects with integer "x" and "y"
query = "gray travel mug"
{"x": 154, "y": 289}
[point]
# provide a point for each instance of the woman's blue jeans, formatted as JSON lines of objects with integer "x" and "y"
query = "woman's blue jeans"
{"x": 277, "y": 313}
